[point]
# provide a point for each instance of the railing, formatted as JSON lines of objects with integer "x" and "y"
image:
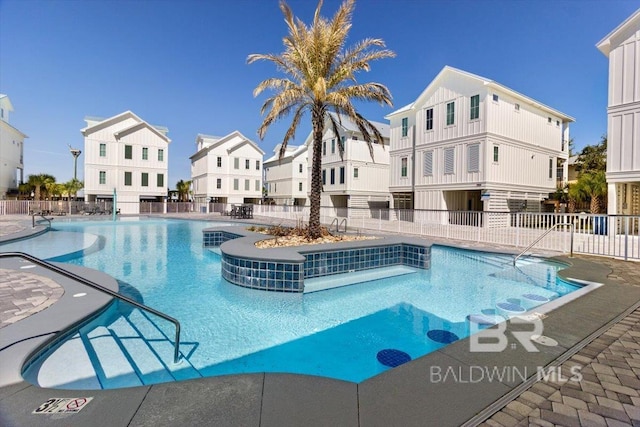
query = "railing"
{"x": 33, "y": 220}
{"x": 542, "y": 236}
{"x": 73, "y": 276}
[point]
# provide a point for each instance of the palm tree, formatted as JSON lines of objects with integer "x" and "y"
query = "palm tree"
{"x": 72, "y": 187}
{"x": 320, "y": 78}
{"x": 595, "y": 185}
{"x": 183, "y": 187}
{"x": 39, "y": 182}
{"x": 577, "y": 194}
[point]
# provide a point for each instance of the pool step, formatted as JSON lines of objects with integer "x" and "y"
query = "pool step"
{"x": 115, "y": 369}
{"x": 344, "y": 279}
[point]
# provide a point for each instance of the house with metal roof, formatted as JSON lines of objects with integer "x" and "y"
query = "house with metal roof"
{"x": 468, "y": 143}
{"x": 357, "y": 180}
{"x": 226, "y": 169}
{"x": 286, "y": 176}
{"x": 127, "y": 156}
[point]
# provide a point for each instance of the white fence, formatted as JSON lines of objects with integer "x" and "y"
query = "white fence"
{"x": 610, "y": 235}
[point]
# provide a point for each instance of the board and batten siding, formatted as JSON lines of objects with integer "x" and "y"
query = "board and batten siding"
{"x": 623, "y": 145}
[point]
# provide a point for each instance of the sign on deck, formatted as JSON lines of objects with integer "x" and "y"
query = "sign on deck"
{"x": 63, "y": 405}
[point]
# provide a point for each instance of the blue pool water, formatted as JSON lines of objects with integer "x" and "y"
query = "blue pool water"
{"x": 337, "y": 333}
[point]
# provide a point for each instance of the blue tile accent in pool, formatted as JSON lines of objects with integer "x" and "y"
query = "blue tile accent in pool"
{"x": 217, "y": 237}
{"x": 271, "y": 276}
{"x": 318, "y": 264}
{"x": 288, "y": 276}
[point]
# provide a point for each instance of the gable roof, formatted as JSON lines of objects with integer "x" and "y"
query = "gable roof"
{"x": 447, "y": 70}
{"x": 221, "y": 140}
{"x": 104, "y": 123}
{"x": 348, "y": 125}
{"x": 291, "y": 153}
{"x": 137, "y": 127}
{"x": 620, "y": 33}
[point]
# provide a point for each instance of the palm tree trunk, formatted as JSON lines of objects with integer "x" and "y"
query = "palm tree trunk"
{"x": 571, "y": 205}
{"x": 317, "y": 120}
{"x": 595, "y": 205}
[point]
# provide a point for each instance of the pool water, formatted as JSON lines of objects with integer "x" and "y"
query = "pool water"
{"x": 226, "y": 329}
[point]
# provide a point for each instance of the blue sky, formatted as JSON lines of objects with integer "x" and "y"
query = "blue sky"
{"x": 182, "y": 64}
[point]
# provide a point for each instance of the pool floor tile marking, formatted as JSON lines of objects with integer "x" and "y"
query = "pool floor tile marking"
{"x": 63, "y": 405}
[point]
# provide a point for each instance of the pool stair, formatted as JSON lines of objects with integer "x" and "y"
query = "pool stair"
{"x": 354, "y": 277}
{"x": 131, "y": 351}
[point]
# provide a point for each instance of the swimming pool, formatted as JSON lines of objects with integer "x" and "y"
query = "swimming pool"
{"x": 226, "y": 329}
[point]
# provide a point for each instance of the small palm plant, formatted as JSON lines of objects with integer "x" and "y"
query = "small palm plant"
{"x": 320, "y": 77}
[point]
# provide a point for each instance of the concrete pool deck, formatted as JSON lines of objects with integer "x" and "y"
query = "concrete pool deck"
{"x": 598, "y": 332}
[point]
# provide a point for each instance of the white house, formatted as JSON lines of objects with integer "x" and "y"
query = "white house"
{"x": 358, "y": 179}
{"x": 129, "y": 155}
{"x": 622, "y": 47}
{"x": 11, "y": 151}
{"x": 226, "y": 169}
{"x": 286, "y": 178}
{"x": 471, "y": 144}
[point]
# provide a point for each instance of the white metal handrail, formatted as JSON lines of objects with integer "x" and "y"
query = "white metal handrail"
{"x": 549, "y": 230}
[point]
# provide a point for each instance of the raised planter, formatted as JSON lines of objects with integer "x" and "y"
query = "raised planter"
{"x": 284, "y": 269}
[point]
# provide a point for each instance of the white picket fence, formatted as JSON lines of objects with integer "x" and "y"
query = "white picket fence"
{"x": 609, "y": 235}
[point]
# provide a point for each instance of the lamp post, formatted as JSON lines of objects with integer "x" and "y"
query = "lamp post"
{"x": 75, "y": 152}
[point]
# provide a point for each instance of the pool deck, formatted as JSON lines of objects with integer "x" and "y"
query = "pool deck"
{"x": 598, "y": 334}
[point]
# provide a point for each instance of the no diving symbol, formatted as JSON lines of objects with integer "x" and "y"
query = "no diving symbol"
{"x": 76, "y": 404}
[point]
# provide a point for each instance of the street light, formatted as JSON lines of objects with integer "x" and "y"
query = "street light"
{"x": 75, "y": 152}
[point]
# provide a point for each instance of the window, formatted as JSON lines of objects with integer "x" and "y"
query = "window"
{"x": 405, "y": 126}
{"x": 299, "y": 186}
{"x": 236, "y": 163}
{"x": 557, "y": 122}
{"x": 246, "y": 185}
{"x": 324, "y": 176}
{"x": 448, "y": 160}
{"x": 451, "y": 111}
{"x": 333, "y": 146}
{"x": 160, "y": 180}
{"x": 300, "y": 168}
{"x": 145, "y": 179}
{"x": 128, "y": 152}
{"x": 219, "y": 182}
{"x": 160, "y": 155}
{"x": 495, "y": 97}
{"x": 235, "y": 184}
{"x": 343, "y": 139}
{"x": 551, "y": 168}
{"x": 257, "y": 165}
{"x": 145, "y": 153}
{"x": 475, "y": 107}
{"x": 517, "y": 107}
{"x": 219, "y": 162}
{"x": 103, "y": 150}
{"x": 324, "y": 148}
{"x": 275, "y": 187}
{"x": 246, "y": 164}
{"x": 333, "y": 176}
{"x": 549, "y": 120}
{"x": 428, "y": 163}
{"x": 429, "y": 118}
{"x": 127, "y": 178}
{"x": 496, "y": 152}
{"x": 341, "y": 174}
{"x": 103, "y": 177}
{"x": 473, "y": 159}
{"x": 403, "y": 167}
{"x": 355, "y": 172}
{"x": 257, "y": 185}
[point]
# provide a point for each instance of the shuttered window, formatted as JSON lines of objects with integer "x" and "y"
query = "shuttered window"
{"x": 551, "y": 168}
{"x": 403, "y": 167}
{"x": 405, "y": 126}
{"x": 448, "y": 160}
{"x": 473, "y": 159}
{"x": 428, "y": 163}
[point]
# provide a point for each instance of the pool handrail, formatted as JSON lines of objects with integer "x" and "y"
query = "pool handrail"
{"x": 33, "y": 219}
{"x": 544, "y": 234}
{"x": 73, "y": 276}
